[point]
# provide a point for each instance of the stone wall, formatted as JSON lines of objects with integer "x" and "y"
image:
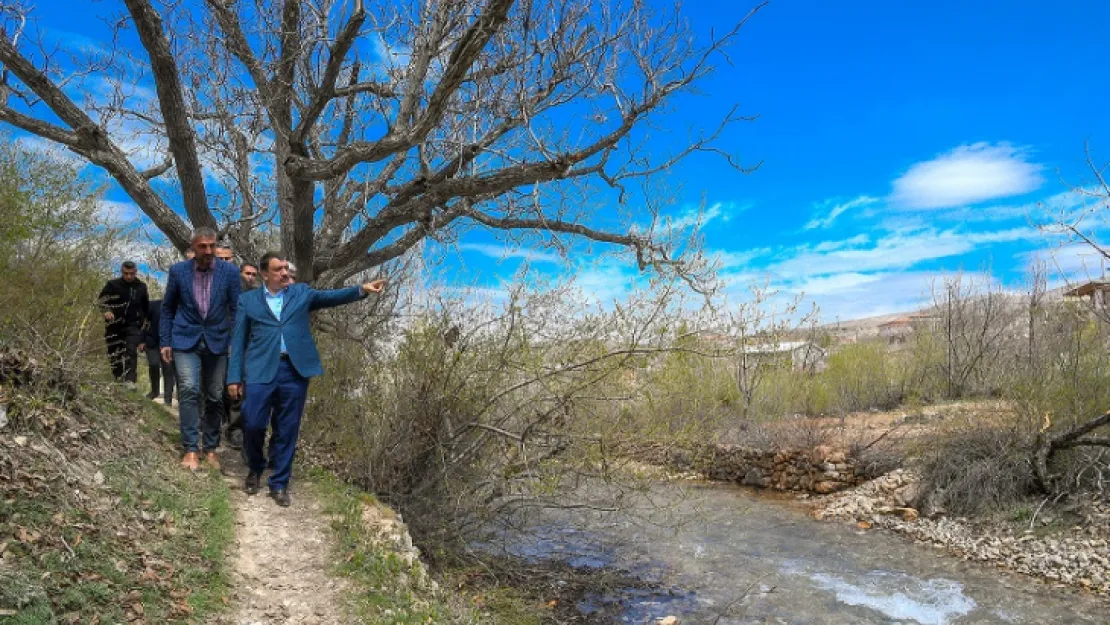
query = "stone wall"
{"x": 820, "y": 470}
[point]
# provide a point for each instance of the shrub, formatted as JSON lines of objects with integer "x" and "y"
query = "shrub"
{"x": 975, "y": 468}
{"x": 55, "y": 251}
{"x": 860, "y": 376}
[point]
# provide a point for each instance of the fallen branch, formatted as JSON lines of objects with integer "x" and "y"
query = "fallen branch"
{"x": 1047, "y": 446}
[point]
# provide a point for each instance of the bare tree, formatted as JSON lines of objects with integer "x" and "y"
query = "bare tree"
{"x": 759, "y": 326}
{"x": 358, "y": 131}
{"x": 1081, "y": 225}
{"x": 976, "y": 321}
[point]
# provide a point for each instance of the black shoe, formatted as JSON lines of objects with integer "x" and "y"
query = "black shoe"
{"x": 281, "y": 496}
{"x": 251, "y": 485}
{"x": 152, "y": 395}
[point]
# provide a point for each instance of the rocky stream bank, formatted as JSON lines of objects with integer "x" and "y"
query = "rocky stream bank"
{"x": 1065, "y": 544}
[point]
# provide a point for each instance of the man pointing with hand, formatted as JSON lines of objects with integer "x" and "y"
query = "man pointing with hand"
{"x": 273, "y": 355}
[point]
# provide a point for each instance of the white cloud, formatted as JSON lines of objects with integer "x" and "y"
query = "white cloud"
{"x": 723, "y": 211}
{"x": 119, "y": 213}
{"x": 48, "y": 149}
{"x": 726, "y": 260}
{"x": 856, "y": 296}
{"x": 837, "y": 210}
{"x": 896, "y": 250}
{"x": 838, "y": 283}
{"x": 1069, "y": 262}
{"x": 604, "y": 284}
{"x": 968, "y": 174}
{"x": 863, "y": 275}
{"x": 502, "y": 252}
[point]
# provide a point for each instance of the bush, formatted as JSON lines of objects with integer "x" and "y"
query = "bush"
{"x": 477, "y": 413}
{"x": 55, "y": 248}
{"x": 861, "y": 376}
{"x": 977, "y": 468}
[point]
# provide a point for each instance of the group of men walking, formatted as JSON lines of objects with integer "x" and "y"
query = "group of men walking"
{"x": 212, "y": 332}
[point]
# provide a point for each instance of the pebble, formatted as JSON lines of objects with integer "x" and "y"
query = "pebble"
{"x": 1075, "y": 556}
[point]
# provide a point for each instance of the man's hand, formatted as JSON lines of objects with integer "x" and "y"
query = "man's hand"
{"x": 109, "y": 317}
{"x": 142, "y": 348}
{"x": 167, "y": 354}
{"x": 375, "y": 286}
{"x": 235, "y": 391}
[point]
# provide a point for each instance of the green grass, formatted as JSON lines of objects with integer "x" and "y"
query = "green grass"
{"x": 384, "y": 588}
{"x": 142, "y": 537}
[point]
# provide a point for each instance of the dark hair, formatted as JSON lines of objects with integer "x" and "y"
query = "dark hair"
{"x": 264, "y": 264}
{"x": 128, "y": 264}
{"x": 245, "y": 265}
{"x": 223, "y": 246}
{"x": 203, "y": 233}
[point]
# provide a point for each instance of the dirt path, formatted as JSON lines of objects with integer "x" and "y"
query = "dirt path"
{"x": 282, "y": 561}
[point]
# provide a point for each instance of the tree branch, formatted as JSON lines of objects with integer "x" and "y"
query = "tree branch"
{"x": 93, "y": 143}
{"x": 175, "y": 114}
{"x": 158, "y": 170}
{"x": 326, "y": 91}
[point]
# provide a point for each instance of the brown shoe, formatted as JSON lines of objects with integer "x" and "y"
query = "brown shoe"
{"x": 212, "y": 461}
{"x": 191, "y": 461}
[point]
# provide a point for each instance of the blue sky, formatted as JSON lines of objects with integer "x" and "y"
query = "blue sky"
{"x": 903, "y": 140}
{"x": 899, "y": 141}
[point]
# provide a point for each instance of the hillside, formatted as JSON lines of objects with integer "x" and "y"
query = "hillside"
{"x": 97, "y": 524}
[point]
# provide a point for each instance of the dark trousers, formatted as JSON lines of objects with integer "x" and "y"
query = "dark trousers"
{"x": 123, "y": 352}
{"x": 160, "y": 369}
{"x": 282, "y": 399}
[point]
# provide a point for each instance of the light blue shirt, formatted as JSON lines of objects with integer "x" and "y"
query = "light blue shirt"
{"x": 275, "y": 302}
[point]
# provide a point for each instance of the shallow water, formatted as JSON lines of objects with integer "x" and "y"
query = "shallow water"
{"x": 723, "y": 555}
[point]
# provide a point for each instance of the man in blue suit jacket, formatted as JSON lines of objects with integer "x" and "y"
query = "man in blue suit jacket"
{"x": 273, "y": 354}
{"x": 197, "y": 311}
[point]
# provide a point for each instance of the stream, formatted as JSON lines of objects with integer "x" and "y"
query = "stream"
{"x": 725, "y": 555}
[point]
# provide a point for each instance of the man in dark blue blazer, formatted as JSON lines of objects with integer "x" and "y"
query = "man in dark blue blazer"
{"x": 197, "y": 312}
{"x": 273, "y": 355}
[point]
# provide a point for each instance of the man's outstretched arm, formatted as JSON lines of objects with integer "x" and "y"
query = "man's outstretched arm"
{"x": 338, "y": 297}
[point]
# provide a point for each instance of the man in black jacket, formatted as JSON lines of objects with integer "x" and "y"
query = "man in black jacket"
{"x": 151, "y": 344}
{"x": 124, "y": 302}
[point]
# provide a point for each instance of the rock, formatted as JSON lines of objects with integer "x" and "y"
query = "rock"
{"x": 909, "y": 515}
{"x": 907, "y": 495}
{"x": 826, "y": 487}
{"x": 668, "y": 620}
{"x": 754, "y": 477}
{"x": 20, "y": 440}
{"x": 3, "y": 416}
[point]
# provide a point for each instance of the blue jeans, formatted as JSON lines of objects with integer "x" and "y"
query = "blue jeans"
{"x": 281, "y": 400}
{"x": 199, "y": 370}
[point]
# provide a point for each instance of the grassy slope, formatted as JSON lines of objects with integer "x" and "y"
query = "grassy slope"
{"x": 384, "y": 588}
{"x": 97, "y": 522}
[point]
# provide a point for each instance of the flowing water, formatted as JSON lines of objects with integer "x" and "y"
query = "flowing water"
{"x": 721, "y": 554}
